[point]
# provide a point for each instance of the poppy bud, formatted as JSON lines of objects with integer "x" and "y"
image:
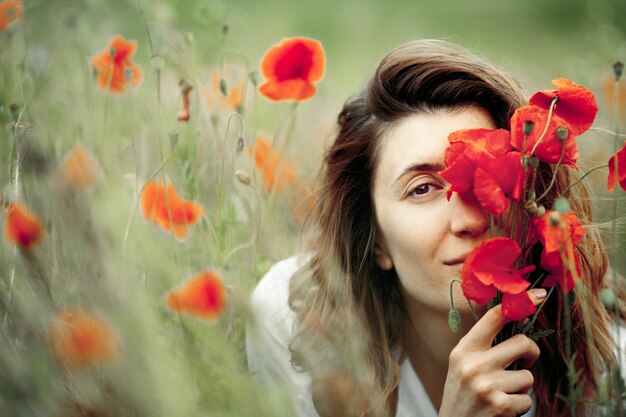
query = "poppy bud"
{"x": 454, "y": 320}
{"x": 528, "y": 127}
{"x": 243, "y": 177}
{"x": 225, "y": 28}
{"x": 223, "y": 87}
{"x": 555, "y": 219}
{"x": 541, "y": 210}
{"x": 240, "y": 143}
{"x": 128, "y": 73}
{"x": 561, "y": 133}
{"x": 608, "y": 297}
{"x": 157, "y": 62}
{"x": 618, "y": 69}
{"x": 254, "y": 77}
{"x": 561, "y": 205}
{"x": 112, "y": 52}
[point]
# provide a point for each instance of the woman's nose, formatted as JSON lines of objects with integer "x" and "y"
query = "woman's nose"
{"x": 468, "y": 219}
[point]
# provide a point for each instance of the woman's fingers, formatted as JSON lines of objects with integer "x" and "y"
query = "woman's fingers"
{"x": 517, "y": 347}
{"x": 513, "y": 382}
{"x": 485, "y": 330}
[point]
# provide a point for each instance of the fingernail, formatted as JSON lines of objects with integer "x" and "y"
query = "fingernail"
{"x": 540, "y": 293}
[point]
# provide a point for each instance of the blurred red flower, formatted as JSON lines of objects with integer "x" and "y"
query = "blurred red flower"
{"x": 167, "y": 209}
{"x": 79, "y": 338}
{"x": 617, "y": 169}
{"x": 291, "y": 69}
{"x": 559, "y": 233}
{"x": 550, "y": 147}
{"x": 575, "y": 104}
{"x": 114, "y": 67}
{"x": 267, "y": 161}
{"x": 21, "y": 227}
{"x": 79, "y": 167}
{"x": 489, "y": 268}
{"x": 203, "y": 296}
{"x": 10, "y": 11}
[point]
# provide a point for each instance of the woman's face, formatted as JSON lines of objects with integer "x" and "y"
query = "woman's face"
{"x": 421, "y": 234}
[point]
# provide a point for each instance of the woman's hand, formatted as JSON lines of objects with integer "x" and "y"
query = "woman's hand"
{"x": 478, "y": 383}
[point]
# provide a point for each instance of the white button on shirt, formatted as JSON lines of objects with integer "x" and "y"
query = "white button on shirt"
{"x": 269, "y": 358}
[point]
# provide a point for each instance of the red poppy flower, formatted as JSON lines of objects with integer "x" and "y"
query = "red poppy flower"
{"x": 489, "y": 268}
{"x": 291, "y": 69}
{"x": 79, "y": 338}
{"x": 559, "y": 233}
{"x": 617, "y": 169}
{"x": 10, "y": 11}
{"x": 556, "y": 229}
{"x": 114, "y": 67}
{"x": 549, "y": 149}
{"x": 169, "y": 210}
{"x": 575, "y": 104}
{"x": 203, "y": 296}
{"x": 479, "y": 160}
{"x": 267, "y": 160}
{"x": 21, "y": 227}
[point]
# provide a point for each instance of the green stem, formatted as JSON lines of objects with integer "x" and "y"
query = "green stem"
{"x": 545, "y": 129}
{"x": 583, "y": 177}
{"x": 556, "y": 170}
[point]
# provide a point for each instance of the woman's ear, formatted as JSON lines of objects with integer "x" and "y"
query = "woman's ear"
{"x": 382, "y": 258}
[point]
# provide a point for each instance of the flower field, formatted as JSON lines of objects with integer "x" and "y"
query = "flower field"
{"x": 156, "y": 158}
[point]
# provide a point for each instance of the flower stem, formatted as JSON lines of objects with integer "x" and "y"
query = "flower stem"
{"x": 545, "y": 129}
{"x": 556, "y": 170}
{"x": 583, "y": 177}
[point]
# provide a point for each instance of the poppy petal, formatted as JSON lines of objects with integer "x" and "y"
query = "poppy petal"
{"x": 517, "y": 306}
{"x": 203, "y": 296}
{"x": 489, "y": 193}
{"x": 617, "y": 169}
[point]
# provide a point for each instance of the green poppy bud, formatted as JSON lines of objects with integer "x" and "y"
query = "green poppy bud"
{"x": 561, "y": 133}
{"x": 528, "y": 127}
{"x": 454, "y": 320}
{"x": 618, "y": 69}
{"x": 561, "y": 205}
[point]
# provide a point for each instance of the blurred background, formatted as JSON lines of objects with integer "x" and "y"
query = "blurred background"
{"x": 101, "y": 253}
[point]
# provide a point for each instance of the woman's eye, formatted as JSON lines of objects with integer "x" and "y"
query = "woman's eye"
{"x": 421, "y": 189}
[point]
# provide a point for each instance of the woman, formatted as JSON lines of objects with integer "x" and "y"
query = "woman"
{"x": 359, "y": 325}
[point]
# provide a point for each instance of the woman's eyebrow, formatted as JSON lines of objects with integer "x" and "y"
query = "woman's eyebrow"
{"x": 431, "y": 167}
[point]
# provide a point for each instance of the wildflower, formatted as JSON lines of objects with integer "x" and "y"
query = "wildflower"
{"x": 79, "y": 338}
{"x": 185, "y": 89}
{"x": 114, "y": 67}
{"x": 235, "y": 77}
{"x": 267, "y": 161}
{"x": 291, "y": 69}
{"x": 480, "y": 161}
{"x": 203, "y": 296}
{"x": 550, "y": 148}
{"x": 489, "y": 269}
{"x": 21, "y": 227}
{"x": 78, "y": 169}
{"x": 576, "y": 104}
{"x": 617, "y": 169}
{"x": 559, "y": 233}
{"x": 10, "y": 11}
{"x": 168, "y": 210}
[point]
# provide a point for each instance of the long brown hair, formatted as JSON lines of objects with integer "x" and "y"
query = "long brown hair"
{"x": 351, "y": 315}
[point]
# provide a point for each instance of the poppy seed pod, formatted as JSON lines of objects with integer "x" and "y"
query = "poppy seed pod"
{"x": 528, "y": 127}
{"x": 561, "y": 205}
{"x": 561, "y": 133}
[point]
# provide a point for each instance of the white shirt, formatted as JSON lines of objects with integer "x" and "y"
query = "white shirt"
{"x": 269, "y": 357}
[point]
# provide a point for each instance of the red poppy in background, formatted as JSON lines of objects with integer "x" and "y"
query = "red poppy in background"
{"x": 167, "y": 209}
{"x": 203, "y": 296}
{"x": 114, "y": 67}
{"x": 79, "y": 338}
{"x": 267, "y": 161}
{"x": 291, "y": 69}
{"x": 79, "y": 167}
{"x": 10, "y": 11}
{"x": 549, "y": 149}
{"x": 560, "y": 267}
{"x": 21, "y": 227}
{"x": 489, "y": 268}
{"x": 617, "y": 169}
{"x": 575, "y": 104}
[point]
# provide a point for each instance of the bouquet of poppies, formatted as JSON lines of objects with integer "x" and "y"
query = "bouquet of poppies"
{"x": 499, "y": 170}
